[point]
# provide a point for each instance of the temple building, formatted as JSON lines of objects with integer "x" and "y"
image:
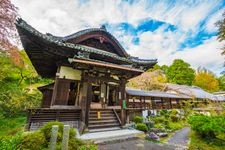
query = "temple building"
{"x": 90, "y": 69}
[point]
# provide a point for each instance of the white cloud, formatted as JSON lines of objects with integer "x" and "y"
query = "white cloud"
{"x": 62, "y": 18}
{"x": 210, "y": 25}
{"x": 206, "y": 55}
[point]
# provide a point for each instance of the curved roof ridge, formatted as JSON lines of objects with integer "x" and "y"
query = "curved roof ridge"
{"x": 86, "y": 31}
{"x": 20, "y": 23}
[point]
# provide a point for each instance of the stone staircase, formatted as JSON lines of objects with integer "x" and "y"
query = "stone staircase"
{"x": 108, "y": 120}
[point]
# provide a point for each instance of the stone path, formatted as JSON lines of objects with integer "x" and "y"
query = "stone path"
{"x": 180, "y": 138}
{"x": 111, "y": 136}
{"x": 137, "y": 144}
{"x": 179, "y": 141}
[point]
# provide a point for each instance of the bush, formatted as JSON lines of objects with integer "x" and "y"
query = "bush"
{"x": 138, "y": 119}
{"x": 207, "y": 126}
{"x": 141, "y": 127}
{"x": 75, "y": 144}
{"x": 10, "y": 142}
{"x": 88, "y": 147}
{"x": 163, "y": 112}
{"x": 34, "y": 140}
{"x": 174, "y": 126}
{"x": 47, "y": 129}
{"x": 174, "y": 118}
{"x": 159, "y": 119}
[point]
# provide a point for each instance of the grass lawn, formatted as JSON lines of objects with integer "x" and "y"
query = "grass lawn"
{"x": 10, "y": 126}
{"x": 197, "y": 143}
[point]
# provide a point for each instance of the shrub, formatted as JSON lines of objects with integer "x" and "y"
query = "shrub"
{"x": 163, "y": 112}
{"x": 88, "y": 147}
{"x": 159, "y": 125}
{"x": 10, "y": 142}
{"x": 174, "y": 118}
{"x": 138, "y": 119}
{"x": 141, "y": 127}
{"x": 47, "y": 129}
{"x": 33, "y": 140}
{"x": 75, "y": 144}
{"x": 207, "y": 126}
{"x": 159, "y": 119}
{"x": 174, "y": 126}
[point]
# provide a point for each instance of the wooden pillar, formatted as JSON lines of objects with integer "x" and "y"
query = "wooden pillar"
{"x": 82, "y": 100}
{"x": 54, "y": 90}
{"x": 161, "y": 102}
{"x": 170, "y": 103}
{"x": 127, "y": 100}
{"x": 103, "y": 93}
{"x": 133, "y": 103}
{"x": 122, "y": 96}
{"x": 144, "y": 103}
{"x": 88, "y": 102}
{"x": 177, "y": 104}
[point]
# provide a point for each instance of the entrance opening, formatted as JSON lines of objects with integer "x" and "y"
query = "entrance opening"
{"x": 96, "y": 93}
{"x": 72, "y": 93}
{"x": 112, "y": 96}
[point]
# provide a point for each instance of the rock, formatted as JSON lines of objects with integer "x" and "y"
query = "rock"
{"x": 162, "y": 134}
{"x": 152, "y": 137}
{"x": 156, "y": 130}
{"x": 129, "y": 126}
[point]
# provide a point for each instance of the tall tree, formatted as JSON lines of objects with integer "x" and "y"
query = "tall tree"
{"x": 221, "y": 80}
{"x": 8, "y": 33}
{"x": 221, "y": 33}
{"x": 206, "y": 80}
{"x": 9, "y": 39}
{"x": 149, "y": 80}
{"x": 180, "y": 72}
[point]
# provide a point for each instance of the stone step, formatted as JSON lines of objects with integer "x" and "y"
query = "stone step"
{"x": 107, "y": 136}
{"x": 102, "y": 118}
{"x": 106, "y": 125}
{"x": 104, "y": 129}
{"x": 96, "y": 113}
{"x": 103, "y": 121}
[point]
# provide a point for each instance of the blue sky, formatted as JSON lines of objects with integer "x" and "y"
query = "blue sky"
{"x": 162, "y": 29}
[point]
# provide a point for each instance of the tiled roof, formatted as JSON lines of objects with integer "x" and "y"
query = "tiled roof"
{"x": 138, "y": 92}
{"x": 60, "y": 41}
{"x": 191, "y": 91}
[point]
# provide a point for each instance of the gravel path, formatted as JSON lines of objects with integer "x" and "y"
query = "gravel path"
{"x": 180, "y": 138}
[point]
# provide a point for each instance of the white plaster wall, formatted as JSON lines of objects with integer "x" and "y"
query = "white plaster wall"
{"x": 69, "y": 73}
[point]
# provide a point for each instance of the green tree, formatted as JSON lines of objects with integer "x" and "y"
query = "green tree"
{"x": 149, "y": 80}
{"x": 206, "y": 80}
{"x": 180, "y": 72}
{"x": 18, "y": 85}
{"x": 221, "y": 80}
{"x": 221, "y": 33}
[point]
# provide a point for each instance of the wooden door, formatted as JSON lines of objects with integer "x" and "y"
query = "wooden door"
{"x": 62, "y": 95}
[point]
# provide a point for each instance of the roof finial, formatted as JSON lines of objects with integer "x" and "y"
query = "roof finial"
{"x": 103, "y": 27}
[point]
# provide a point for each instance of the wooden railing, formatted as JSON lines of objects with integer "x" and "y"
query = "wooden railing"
{"x": 118, "y": 118}
{"x": 46, "y": 115}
